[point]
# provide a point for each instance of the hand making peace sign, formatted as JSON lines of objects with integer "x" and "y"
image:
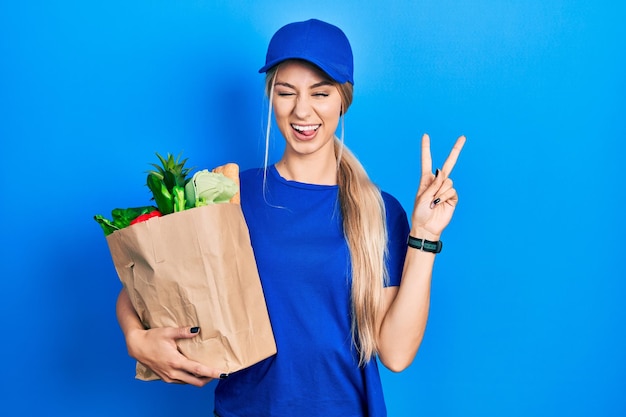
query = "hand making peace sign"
{"x": 436, "y": 198}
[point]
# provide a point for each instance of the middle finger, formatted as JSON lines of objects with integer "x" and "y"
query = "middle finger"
{"x": 453, "y": 156}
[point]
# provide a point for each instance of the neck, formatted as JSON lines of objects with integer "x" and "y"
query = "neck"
{"x": 308, "y": 169}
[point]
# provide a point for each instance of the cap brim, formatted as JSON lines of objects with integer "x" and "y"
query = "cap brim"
{"x": 331, "y": 72}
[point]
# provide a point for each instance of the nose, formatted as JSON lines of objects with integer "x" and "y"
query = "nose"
{"x": 302, "y": 108}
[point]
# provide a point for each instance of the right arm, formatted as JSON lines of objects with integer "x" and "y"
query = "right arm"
{"x": 156, "y": 348}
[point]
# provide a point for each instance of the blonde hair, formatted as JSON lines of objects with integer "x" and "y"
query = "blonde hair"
{"x": 364, "y": 228}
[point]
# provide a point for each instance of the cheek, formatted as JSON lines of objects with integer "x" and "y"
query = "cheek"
{"x": 334, "y": 109}
{"x": 330, "y": 112}
{"x": 280, "y": 114}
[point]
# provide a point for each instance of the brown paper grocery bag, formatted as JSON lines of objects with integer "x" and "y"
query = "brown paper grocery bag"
{"x": 196, "y": 268}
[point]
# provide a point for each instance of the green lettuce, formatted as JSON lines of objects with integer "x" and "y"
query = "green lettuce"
{"x": 207, "y": 187}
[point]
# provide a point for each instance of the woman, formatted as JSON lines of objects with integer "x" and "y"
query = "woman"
{"x": 340, "y": 284}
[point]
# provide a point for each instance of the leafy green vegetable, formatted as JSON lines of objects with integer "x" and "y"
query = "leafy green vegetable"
{"x": 172, "y": 192}
{"x": 121, "y": 218}
{"x": 162, "y": 196}
{"x": 207, "y": 187}
{"x": 164, "y": 180}
{"x": 172, "y": 171}
{"x": 179, "y": 198}
{"x": 106, "y": 224}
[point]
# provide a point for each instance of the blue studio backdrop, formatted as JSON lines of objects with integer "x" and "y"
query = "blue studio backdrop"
{"x": 527, "y": 314}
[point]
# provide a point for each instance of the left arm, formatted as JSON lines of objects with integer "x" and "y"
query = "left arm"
{"x": 403, "y": 321}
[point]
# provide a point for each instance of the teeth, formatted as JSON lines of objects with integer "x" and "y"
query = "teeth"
{"x": 305, "y": 128}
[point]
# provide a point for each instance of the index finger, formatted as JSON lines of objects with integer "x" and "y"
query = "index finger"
{"x": 453, "y": 156}
{"x": 427, "y": 162}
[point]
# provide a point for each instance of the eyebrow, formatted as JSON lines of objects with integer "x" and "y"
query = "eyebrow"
{"x": 316, "y": 85}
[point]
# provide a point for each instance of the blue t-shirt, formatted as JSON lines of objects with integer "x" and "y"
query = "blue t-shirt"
{"x": 303, "y": 262}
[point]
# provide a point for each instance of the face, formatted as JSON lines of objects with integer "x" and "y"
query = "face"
{"x": 307, "y": 106}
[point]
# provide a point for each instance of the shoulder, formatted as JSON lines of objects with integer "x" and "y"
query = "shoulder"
{"x": 251, "y": 174}
{"x": 250, "y": 187}
{"x": 396, "y": 217}
{"x": 250, "y": 179}
{"x": 392, "y": 205}
{"x": 397, "y": 233}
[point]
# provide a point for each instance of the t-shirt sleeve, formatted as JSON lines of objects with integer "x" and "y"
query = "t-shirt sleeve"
{"x": 397, "y": 232}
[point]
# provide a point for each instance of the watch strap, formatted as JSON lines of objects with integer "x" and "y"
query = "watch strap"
{"x": 425, "y": 245}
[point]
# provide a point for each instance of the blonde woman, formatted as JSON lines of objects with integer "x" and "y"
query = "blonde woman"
{"x": 346, "y": 278}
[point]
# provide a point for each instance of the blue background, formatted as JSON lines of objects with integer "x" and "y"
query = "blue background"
{"x": 527, "y": 314}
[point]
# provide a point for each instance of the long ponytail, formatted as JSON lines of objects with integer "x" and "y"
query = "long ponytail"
{"x": 364, "y": 227}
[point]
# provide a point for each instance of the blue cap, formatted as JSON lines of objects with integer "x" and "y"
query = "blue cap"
{"x": 317, "y": 42}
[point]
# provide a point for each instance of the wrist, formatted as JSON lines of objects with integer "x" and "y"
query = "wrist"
{"x": 131, "y": 336}
{"x": 421, "y": 233}
{"x": 424, "y": 245}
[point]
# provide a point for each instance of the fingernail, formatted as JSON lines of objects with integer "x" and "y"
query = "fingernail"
{"x": 195, "y": 330}
{"x": 223, "y": 376}
{"x": 435, "y": 202}
{"x": 436, "y": 174}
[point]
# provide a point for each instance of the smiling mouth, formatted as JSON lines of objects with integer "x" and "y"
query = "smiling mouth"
{"x": 307, "y": 130}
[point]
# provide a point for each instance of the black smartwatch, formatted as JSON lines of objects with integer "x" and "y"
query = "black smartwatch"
{"x": 425, "y": 245}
